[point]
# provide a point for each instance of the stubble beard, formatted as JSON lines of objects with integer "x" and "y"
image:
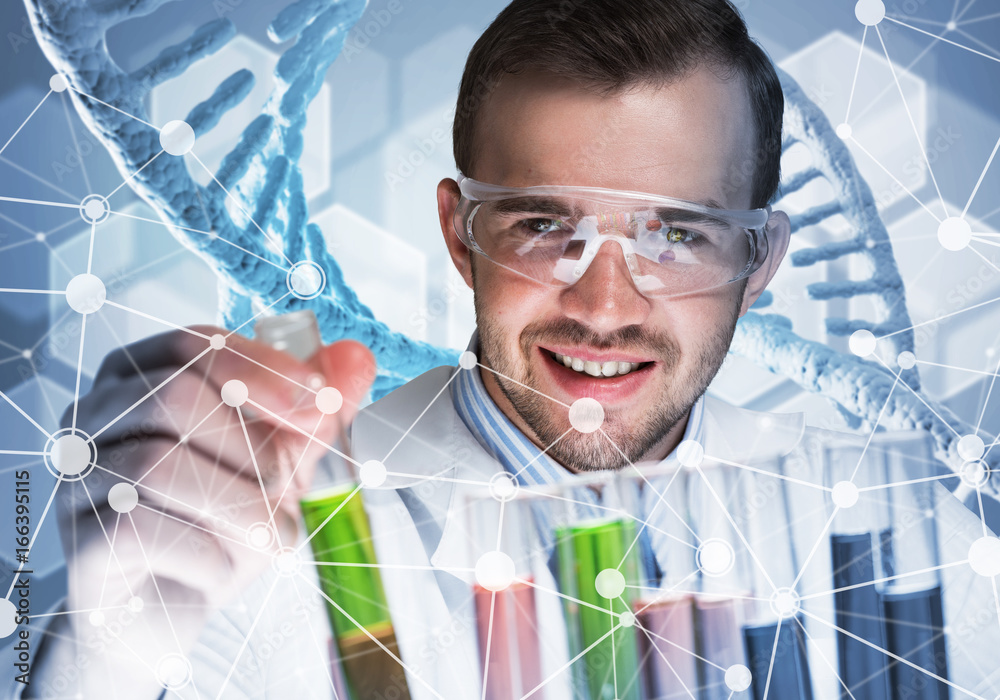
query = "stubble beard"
{"x": 619, "y": 442}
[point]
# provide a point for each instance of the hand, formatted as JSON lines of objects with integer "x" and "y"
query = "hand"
{"x": 211, "y": 511}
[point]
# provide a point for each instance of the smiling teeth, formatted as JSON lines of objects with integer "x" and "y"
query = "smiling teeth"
{"x": 597, "y": 369}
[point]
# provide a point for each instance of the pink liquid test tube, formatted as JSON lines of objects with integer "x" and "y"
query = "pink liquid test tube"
{"x": 669, "y": 668}
{"x": 515, "y": 665}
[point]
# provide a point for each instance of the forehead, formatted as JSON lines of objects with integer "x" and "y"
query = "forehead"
{"x": 691, "y": 138}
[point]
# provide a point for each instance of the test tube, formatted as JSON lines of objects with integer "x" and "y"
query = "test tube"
{"x": 584, "y": 550}
{"x": 507, "y": 619}
{"x": 911, "y": 596}
{"x": 341, "y": 543}
{"x": 856, "y": 536}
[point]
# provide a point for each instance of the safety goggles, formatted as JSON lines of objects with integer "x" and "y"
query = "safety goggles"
{"x": 551, "y": 234}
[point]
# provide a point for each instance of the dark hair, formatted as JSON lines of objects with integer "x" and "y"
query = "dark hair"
{"x": 611, "y": 45}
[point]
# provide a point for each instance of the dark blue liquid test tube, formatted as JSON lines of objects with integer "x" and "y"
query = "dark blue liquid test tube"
{"x": 789, "y": 671}
{"x": 858, "y": 611}
{"x": 915, "y": 631}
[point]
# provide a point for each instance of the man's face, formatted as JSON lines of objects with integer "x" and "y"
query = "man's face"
{"x": 682, "y": 140}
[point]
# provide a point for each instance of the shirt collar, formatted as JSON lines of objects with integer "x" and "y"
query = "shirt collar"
{"x": 519, "y": 456}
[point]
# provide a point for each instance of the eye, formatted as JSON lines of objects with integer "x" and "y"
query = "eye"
{"x": 657, "y": 229}
{"x": 541, "y": 227}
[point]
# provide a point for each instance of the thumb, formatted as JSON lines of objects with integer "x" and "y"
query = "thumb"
{"x": 350, "y": 367}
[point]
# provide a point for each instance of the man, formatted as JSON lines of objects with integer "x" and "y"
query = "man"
{"x": 611, "y": 241}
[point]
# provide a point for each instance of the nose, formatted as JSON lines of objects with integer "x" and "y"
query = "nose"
{"x": 605, "y": 298}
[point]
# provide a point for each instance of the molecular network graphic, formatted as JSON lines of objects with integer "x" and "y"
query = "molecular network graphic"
{"x": 830, "y": 568}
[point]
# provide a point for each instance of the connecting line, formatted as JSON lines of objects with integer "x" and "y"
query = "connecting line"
{"x": 664, "y": 658}
{"x": 941, "y": 38}
{"x": 929, "y": 569}
{"x": 879, "y": 487}
{"x": 559, "y": 594}
{"x": 26, "y": 120}
{"x": 765, "y": 472}
{"x": 421, "y": 415}
{"x": 677, "y": 646}
{"x": 489, "y": 638}
{"x": 257, "y": 315}
{"x": 40, "y": 202}
{"x": 196, "y": 526}
{"x": 921, "y": 398}
{"x": 896, "y": 180}
{"x": 275, "y": 242}
{"x": 614, "y": 654}
{"x": 20, "y": 410}
{"x": 212, "y": 234}
{"x": 524, "y": 386}
{"x": 328, "y": 518}
{"x": 246, "y": 638}
{"x": 398, "y": 567}
{"x": 739, "y": 533}
{"x": 659, "y": 498}
{"x": 155, "y": 319}
{"x": 857, "y": 68}
{"x": 269, "y": 369}
{"x": 939, "y": 318}
{"x": 102, "y": 102}
{"x": 826, "y": 661}
{"x": 291, "y": 426}
{"x": 129, "y": 178}
{"x": 368, "y": 634}
{"x": 107, "y": 567}
{"x": 570, "y": 662}
{"x": 539, "y": 455}
{"x": 153, "y": 390}
{"x": 982, "y": 175}
{"x": 645, "y": 522}
{"x": 76, "y": 143}
{"x": 891, "y": 655}
{"x": 79, "y": 370}
{"x": 256, "y": 470}
{"x": 774, "y": 653}
{"x": 324, "y": 659}
{"x": 38, "y": 528}
{"x": 11, "y": 290}
{"x": 93, "y": 507}
{"x": 298, "y": 463}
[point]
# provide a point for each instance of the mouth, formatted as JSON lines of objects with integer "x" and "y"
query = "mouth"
{"x": 598, "y": 368}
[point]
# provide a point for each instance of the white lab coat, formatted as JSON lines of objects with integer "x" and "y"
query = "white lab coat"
{"x": 274, "y": 646}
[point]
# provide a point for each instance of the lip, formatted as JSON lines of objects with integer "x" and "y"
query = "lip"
{"x": 588, "y": 354}
{"x": 608, "y": 390}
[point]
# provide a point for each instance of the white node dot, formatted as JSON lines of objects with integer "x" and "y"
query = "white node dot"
{"x": 96, "y": 618}
{"x": 862, "y": 343}
{"x": 177, "y": 137}
{"x": 951, "y": 26}
{"x": 94, "y": 209}
{"x": 70, "y": 454}
{"x": 495, "y": 571}
{"x": 306, "y": 280}
{"x": 173, "y": 671}
{"x": 259, "y": 536}
{"x": 984, "y": 556}
{"x": 975, "y": 474}
{"x": 329, "y": 400}
{"x": 869, "y": 12}
{"x": 503, "y": 487}
{"x": 372, "y": 473}
{"x": 844, "y": 131}
{"x": 217, "y": 341}
{"x": 610, "y": 583}
{"x": 586, "y": 415}
{"x": 765, "y": 422}
{"x": 690, "y": 453}
{"x": 39, "y": 236}
{"x": 971, "y": 447}
{"x": 845, "y": 494}
{"x": 467, "y": 360}
{"x": 26, "y": 353}
{"x": 135, "y": 604}
{"x": 86, "y": 294}
{"x": 235, "y": 393}
{"x": 954, "y": 233}
{"x": 627, "y": 619}
{"x": 738, "y": 678}
{"x": 716, "y": 557}
{"x": 8, "y": 613}
{"x": 123, "y": 497}
{"x": 906, "y": 360}
{"x": 58, "y": 83}
{"x": 785, "y": 602}
{"x": 288, "y": 562}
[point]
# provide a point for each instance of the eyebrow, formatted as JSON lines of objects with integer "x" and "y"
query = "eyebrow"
{"x": 684, "y": 216}
{"x": 541, "y": 205}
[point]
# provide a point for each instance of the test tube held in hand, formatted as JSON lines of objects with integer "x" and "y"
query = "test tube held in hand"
{"x": 342, "y": 546}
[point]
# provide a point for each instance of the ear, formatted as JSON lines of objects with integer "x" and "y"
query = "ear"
{"x": 448, "y": 196}
{"x": 779, "y": 230}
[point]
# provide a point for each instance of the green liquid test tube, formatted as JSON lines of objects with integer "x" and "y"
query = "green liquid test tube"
{"x": 346, "y": 539}
{"x": 583, "y": 552}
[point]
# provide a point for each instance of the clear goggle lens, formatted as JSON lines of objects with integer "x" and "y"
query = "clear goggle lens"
{"x": 671, "y": 247}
